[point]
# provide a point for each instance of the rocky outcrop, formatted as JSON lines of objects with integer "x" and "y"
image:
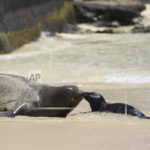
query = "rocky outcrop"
{"x": 141, "y": 29}
{"x": 107, "y": 15}
{"x": 22, "y": 21}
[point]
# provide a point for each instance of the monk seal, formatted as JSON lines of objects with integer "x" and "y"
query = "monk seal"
{"x": 21, "y": 96}
{"x": 98, "y": 103}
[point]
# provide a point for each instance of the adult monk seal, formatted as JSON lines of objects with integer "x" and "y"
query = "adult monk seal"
{"x": 24, "y": 97}
{"x": 98, "y": 103}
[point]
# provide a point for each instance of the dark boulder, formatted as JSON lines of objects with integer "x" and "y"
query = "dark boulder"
{"x": 141, "y": 29}
{"x": 105, "y": 31}
{"x": 88, "y": 12}
{"x": 22, "y": 21}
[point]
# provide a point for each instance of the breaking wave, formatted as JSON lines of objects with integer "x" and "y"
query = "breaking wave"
{"x": 127, "y": 78}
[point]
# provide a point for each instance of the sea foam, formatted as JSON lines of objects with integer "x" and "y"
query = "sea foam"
{"x": 116, "y": 78}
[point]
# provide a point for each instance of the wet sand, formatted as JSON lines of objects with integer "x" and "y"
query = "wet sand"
{"x": 80, "y": 130}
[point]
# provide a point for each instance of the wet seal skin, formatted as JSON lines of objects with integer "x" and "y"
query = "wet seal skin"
{"x": 98, "y": 103}
{"x": 30, "y": 98}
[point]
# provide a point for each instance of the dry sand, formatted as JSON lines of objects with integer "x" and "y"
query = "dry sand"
{"x": 85, "y": 131}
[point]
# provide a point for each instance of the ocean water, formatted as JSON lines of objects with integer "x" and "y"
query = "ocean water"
{"x": 84, "y": 59}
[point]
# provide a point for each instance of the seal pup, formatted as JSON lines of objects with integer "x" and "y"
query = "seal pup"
{"x": 98, "y": 103}
{"x": 21, "y": 96}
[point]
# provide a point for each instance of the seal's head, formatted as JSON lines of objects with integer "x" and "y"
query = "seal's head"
{"x": 62, "y": 99}
{"x": 64, "y": 96}
{"x": 96, "y": 100}
{"x": 73, "y": 95}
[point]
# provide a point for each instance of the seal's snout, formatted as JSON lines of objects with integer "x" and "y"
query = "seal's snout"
{"x": 85, "y": 94}
{"x": 94, "y": 98}
{"x": 89, "y": 95}
{"x": 74, "y": 92}
{"x": 80, "y": 92}
{"x": 92, "y": 95}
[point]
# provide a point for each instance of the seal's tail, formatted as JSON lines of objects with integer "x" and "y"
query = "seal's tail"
{"x": 147, "y": 117}
{"x": 142, "y": 116}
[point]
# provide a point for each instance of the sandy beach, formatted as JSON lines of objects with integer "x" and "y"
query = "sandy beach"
{"x": 83, "y": 129}
{"x": 117, "y": 66}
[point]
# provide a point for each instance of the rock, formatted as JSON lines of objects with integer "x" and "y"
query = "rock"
{"x": 115, "y": 24}
{"x": 21, "y": 21}
{"x": 137, "y": 20}
{"x": 89, "y": 12}
{"x": 141, "y": 29}
{"x": 105, "y": 31}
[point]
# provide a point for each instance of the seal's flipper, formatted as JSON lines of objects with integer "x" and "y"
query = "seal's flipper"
{"x": 10, "y": 114}
{"x": 21, "y": 109}
{"x": 147, "y": 118}
{"x": 135, "y": 112}
{"x": 28, "y": 109}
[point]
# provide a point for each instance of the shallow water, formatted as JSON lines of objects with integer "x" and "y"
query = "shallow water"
{"x": 117, "y": 66}
{"x": 97, "y": 58}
